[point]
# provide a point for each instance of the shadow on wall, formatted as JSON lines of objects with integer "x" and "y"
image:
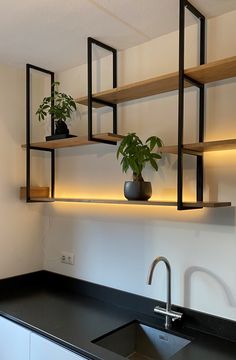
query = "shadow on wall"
{"x": 187, "y": 285}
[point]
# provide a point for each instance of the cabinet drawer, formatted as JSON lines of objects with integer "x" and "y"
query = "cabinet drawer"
{"x": 14, "y": 341}
{"x": 42, "y": 348}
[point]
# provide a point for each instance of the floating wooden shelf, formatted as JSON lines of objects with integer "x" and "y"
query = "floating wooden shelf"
{"x": 214, "y": 71}
{"x": 202, "y": 147}
{"x": 35, "y": 192}
{"x": 145, "y": 203}
{"x": 75, "y": 141}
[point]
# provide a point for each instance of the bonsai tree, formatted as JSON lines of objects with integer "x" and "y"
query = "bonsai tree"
{"x": 60, "y": 106}
{"x": 135, "y": 154}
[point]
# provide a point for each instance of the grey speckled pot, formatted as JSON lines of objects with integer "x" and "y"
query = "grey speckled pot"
{"x": 137, "y": 190}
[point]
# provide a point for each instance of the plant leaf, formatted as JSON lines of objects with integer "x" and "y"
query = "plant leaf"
{"x": 154, "y": 164}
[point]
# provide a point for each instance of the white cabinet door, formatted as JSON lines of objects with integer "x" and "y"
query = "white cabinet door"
{"x": 14, "y": 341}
{"x": 43, "y": 349}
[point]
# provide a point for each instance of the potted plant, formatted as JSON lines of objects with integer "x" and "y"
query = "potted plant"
{"x": 135, "y": 155}
{"x": 60, "y": 106}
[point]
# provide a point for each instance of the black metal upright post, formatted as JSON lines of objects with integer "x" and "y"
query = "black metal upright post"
{"x": 181, "y": 106}
{"x": 182, "y": 78}
{"x": 29, "y": 147}
{"x": 52, "y": 133}
{"x": 200, "y": 174}
{"x": 90, "y": 87}
{"x": 114, "y": 107}
{"x": 28, "y": 131}
{"x": 91, "y": 98}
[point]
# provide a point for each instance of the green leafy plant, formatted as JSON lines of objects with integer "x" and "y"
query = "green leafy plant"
{"x": 135, "y": 154}
{"x": 59, "y": 105}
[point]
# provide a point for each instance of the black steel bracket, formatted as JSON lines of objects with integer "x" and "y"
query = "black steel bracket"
{"x": 29, "y": 147}
{"x": 182, "y": 78}
{"x": 91, "y": 98}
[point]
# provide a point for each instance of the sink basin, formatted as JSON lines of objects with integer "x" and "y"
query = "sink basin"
{"x": 137, "y": 341}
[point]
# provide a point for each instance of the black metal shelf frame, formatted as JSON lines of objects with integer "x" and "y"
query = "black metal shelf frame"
{"x": 185, "y": 4}
{"x": 30, "y": 67}
{"x": 91, "y": 98}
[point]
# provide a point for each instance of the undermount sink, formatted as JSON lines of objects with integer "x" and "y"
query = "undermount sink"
{"x": 137, "y": 341}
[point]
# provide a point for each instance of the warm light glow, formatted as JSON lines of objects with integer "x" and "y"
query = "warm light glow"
{"x": 231, "y": 152}
{"x": 129, "y": 213}
{"x": 114, "y": 197}
{"x": 165, "y": 195}
{"x": 101, "y": 195}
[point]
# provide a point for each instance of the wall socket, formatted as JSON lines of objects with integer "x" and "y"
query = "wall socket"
{"x": 67, "y": 258}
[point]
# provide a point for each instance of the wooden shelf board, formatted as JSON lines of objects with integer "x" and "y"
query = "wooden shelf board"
{"x": 75, "y": 141}
{"x": 145, "y": 203}
{"x": 109, "y": 137}
{"x": 214, "y": 71}
{"x": 39, "y": 192}
{"x": 218, "y": 145}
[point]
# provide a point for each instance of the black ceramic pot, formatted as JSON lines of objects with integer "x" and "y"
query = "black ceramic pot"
{"x": 137, "y": 190}
{"x": 61, "y": 132}
{"x": 61, "y": 128}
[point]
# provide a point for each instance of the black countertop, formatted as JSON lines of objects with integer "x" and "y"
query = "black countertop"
{"x": 45, "y": 304}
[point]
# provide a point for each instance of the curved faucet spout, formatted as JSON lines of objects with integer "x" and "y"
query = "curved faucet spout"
{"x": 168, "y": 268}
{"x": 169, "y": 314}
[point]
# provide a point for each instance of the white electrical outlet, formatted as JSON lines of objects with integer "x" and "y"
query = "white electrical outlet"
{"x": 67, "y": 258}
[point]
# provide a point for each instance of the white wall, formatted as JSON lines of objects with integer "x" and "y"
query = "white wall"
{"x": 114, "y": 245}
{"x": 21, "y": 224}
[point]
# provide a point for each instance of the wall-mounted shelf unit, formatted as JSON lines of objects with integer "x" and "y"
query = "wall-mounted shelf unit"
{"x": 197, "y": 76}
{"x": 204, "y": 74}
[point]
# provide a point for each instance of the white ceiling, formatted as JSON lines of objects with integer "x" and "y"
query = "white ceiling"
{"x": 53, "y": 33}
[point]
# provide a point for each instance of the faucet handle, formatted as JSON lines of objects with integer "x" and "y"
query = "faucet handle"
{"x": 174, "y": 315}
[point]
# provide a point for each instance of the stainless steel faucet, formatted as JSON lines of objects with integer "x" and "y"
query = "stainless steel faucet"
{"x": 170, "y": 315}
